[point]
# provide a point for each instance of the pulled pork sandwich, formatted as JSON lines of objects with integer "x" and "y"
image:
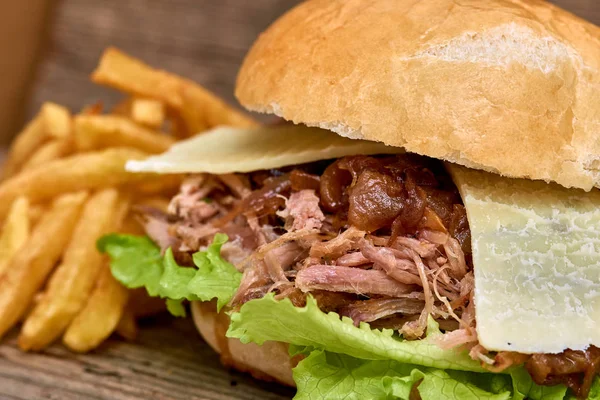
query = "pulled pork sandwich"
{"x": 351, "y": 269}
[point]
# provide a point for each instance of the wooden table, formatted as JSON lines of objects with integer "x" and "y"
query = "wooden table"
{"x": 169, "y": 361}
{"x": 206, "y": 41}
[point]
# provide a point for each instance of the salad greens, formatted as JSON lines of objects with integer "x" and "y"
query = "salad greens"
{"x": 137, "y": 262}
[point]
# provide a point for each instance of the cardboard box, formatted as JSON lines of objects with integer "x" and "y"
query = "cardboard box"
{"x": 21, "y": 36}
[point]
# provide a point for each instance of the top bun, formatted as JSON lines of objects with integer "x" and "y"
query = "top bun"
{"x": 507, "y": 86}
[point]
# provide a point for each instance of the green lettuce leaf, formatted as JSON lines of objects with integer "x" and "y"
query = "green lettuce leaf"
{"x": 265, "y": 319}
{"x": 137, "y": 262}
{"x": 325, "y": 375}
{"x": 215, "y": 277}
{"x": 444, "y": 385}
{"x": 176, "y": 308}
{"x": 595, "y": 390}
{"x": 525, "y": 388}
{"x": 373, "y": 363}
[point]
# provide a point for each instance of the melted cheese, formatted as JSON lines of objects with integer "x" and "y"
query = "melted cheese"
{"x": 225, "y": 150}
{"x": 536, "y": 254}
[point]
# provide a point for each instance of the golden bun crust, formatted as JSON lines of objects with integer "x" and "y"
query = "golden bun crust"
{"x": 507, "y": 86}
{"x": 270, "y": 362}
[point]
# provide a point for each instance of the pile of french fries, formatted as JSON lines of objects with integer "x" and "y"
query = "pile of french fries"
{"x": 64, "y": 186}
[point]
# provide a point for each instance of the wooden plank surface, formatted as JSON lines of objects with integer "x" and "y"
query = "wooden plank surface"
{"x": 169, "y": 361}
{"x": 205, "y": 40}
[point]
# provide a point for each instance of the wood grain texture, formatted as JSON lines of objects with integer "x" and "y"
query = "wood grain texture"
{"x": 204, "y": 40}
{"x": 169, "y": 361}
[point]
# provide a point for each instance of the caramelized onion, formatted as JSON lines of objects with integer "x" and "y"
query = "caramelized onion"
{"x": 302, "y": 180}
{"x": 441, "y": 201}
{"x": 375, "y": 201}
{"x": 431, "y": 221}
{"x": 576, "y": 369}
{"x": 265, "y": 201}
{"x": 333, "y": 187}
{"x": 459, "y": 227}
{"x": 356, "y": 165}
{"x": 421, "y": 176}
{"x": 412, "y": 210}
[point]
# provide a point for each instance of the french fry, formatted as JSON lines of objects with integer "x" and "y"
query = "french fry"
{"x": 127, "y": 326}
{"x": 57, "y": 120}
{"x": 127, "y": 74}
{"x": 53, "y": 121}
{"x": 121, "y": 212}
{"x": 35, "y": 213}
{"x": 52, "y": 150}
{"x": 15, "y": 231}
{"x": 130, "y": 75}
{"x": 162, "y": 185}
{"x": 27, "y": 270}
{"x": 148, "y": 112}
{"x": 217, "y": 112}
{"x": 123, "y": 107}
{"x": 72, "y": 282}
{"x": 177, "y": 126}
{"x": 24, "y": 145}
{"x": 36, "y": 299}
{"x": 93, "y": 109}
{"x": 82, "y": 301}
{"x": 194, "y": 117}
{"x": 161, "y": 203}
{"x": 100, "y": 316}
{"x": 78, "y": 172}
{"x": 94, "y": 132}
{"x": 104, "y": 287}
{"x": 131, "y": 226}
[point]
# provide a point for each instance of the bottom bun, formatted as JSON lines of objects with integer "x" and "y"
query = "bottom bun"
{"x": 270, "y": 362}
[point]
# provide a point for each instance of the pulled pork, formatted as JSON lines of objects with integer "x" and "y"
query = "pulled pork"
{"x": 383, "y": 240}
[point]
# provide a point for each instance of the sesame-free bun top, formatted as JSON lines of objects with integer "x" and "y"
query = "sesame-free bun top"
{"x": 507, "y": 86}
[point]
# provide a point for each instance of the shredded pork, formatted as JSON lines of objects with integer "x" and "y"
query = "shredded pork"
{"x": 365, "y": 282}
{"x": 382, "y": 240}
{"x": 302, "y": 211}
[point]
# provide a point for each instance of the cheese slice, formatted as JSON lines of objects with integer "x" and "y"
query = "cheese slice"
{"x": 536, "y": 255}
{"x": 225, "y": 150}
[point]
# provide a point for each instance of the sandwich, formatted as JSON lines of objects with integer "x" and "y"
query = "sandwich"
{"x": 427, "y": 227}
